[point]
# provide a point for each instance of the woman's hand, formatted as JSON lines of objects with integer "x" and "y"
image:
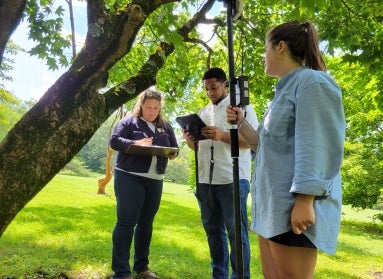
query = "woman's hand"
{"x": 302, "y": 215}
{"x": 234, "y": 114}
{"x": 172, "y": 156}
{"x": 144, "y": 142}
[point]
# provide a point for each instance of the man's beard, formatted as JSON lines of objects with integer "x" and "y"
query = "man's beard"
{"x": 219, "y": 100}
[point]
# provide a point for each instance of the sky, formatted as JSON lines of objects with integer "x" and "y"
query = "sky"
{"x": 31, "y": 77}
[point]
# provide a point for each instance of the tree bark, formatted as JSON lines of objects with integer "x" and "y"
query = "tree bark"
{"x": 53, "y": 131}
{"x": 11, "y": 12}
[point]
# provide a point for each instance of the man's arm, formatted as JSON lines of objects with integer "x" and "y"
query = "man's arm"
{"x": 217, "y": 134}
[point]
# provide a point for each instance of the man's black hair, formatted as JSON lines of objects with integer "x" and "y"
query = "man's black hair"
{"x": 217, "y": 73}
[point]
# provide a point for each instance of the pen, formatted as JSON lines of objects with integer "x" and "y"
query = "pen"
{"x": 145, "y": 135}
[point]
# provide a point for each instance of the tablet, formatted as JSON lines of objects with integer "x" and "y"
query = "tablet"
{"x": 193, "y": 124}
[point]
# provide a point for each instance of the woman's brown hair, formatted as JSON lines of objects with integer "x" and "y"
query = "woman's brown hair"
{"x": 302, "y": 41}
{"x": 150, "y": 93}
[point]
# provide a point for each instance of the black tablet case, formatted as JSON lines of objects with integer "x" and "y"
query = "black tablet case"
{"x": 193, "y": 124}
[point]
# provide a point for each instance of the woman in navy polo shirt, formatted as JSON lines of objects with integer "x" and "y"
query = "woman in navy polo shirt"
{"x": 138, "y": 182}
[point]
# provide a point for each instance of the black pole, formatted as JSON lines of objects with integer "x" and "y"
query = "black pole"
{"x": 196, "y": 164}
{"x": 234, "y": 142}
{"x": 196, "y": 143}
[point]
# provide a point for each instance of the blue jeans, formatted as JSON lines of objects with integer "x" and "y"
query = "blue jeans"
{"x": 219, "y": 225}
{"x": 138, "y": 199}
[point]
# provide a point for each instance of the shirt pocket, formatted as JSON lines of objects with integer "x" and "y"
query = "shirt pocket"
{"x": 279, "y": 121}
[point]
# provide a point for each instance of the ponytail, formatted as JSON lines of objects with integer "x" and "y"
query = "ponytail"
{"x": 313, "y": 56}
{"x": 302, "y": 41}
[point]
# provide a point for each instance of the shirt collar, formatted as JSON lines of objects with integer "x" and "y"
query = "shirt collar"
{"x": 287, "y": 77}
{"x": 224, "y": 102}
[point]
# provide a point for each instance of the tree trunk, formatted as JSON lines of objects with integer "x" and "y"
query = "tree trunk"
{"x": 11, "y": 12}
{"x": 53, "y": 131}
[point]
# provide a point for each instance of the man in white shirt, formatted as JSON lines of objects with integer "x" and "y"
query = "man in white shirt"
{"x": 215, "y": 173}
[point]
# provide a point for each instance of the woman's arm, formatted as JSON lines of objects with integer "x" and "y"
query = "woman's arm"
{"x": 246, "y": 131}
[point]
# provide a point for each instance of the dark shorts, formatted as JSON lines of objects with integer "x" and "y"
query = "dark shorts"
{"x": 292, "y": 239}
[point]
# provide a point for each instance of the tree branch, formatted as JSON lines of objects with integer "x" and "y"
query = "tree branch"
{"x": 11, "y": 12}
{"x": 199, "y": 17}
{"x": 145, "y": 78}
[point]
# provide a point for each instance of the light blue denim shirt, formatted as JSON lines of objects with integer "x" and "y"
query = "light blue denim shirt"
{"x": 300, "y": 150}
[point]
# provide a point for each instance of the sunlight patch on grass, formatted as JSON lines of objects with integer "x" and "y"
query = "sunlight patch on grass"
{"x": 67, "y": 229}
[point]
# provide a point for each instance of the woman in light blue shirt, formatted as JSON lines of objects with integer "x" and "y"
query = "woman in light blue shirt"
{"x": 299, "y": 146}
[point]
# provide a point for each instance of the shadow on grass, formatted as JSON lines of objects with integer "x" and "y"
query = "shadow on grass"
{"x": 74, "y": 241}
{"x": 373, "y": 229}
{"x": 352, "y": 253}
{"x": 70, "y": 242}
{"x": 372, "y": 232}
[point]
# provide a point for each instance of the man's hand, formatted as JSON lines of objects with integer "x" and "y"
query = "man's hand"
{"x": 214, "y": 133}
{"x": 188, "y": 137}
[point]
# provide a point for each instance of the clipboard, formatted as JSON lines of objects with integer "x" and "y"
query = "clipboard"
{"x": 193, "y": 124}
{"x": 154, "y": 150}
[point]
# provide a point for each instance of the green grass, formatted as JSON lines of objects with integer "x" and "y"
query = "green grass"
{"x": 65, "y": 232}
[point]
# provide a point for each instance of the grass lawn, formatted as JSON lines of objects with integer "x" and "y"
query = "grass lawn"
{"x": 65, "y": 232}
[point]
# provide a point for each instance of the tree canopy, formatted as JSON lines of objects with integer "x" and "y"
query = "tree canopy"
{"x": 131, "y": 45}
